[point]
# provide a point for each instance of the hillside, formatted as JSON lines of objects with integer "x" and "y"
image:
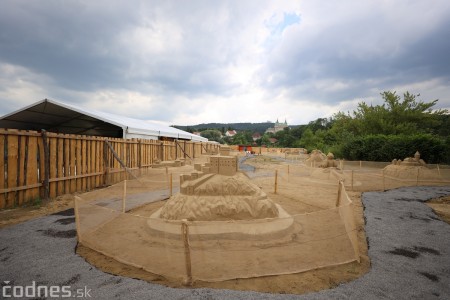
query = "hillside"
{"x": 252, "y": 127}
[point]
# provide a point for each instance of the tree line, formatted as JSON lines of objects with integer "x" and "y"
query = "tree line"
{"x": 395, "y": 129}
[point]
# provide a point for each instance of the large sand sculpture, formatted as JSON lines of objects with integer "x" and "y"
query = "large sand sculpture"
{"x": 219, "y": 197}
{"x": 216, "y": 191}
{"x": 411, "y": 168}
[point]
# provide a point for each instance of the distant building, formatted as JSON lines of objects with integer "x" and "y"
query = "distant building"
{"x": 277, "y": 127}
{"x": 273, "y": 140}
{"x": 197, "y": 133}
{"x": 230, "y": 133}
{"x": 256, "y": 136}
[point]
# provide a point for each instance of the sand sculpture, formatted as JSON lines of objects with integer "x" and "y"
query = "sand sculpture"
{"x": 316, "y": 158}
{"x": 410, "y": 161}
{"x": 411, "y": 168}
{"x": 169, "y": 163}
{"x": 330, "y": 162}
{"x": 216, "y": 191}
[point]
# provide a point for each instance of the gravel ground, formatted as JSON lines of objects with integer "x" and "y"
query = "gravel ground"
{"x": 409, "y": 247}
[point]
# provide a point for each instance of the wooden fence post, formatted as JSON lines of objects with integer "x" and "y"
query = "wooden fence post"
{"x": 338, "y": 200}
{"x": 352, "y": 180}
{"x": 276, "y": 182}
{"x": 77, "y": 219}
{"x": 171, "y": 185}
{"x": 124, "y": 198}
{"x": 46, "y": 183}
{"x": 187, "y": 252}
{"x": 439, "y": 170}
{"x": 384, "y": 187}
{"x": 105, "y": 164}
{"x": 417, "y": 178}
{"x": 360, "y": 164}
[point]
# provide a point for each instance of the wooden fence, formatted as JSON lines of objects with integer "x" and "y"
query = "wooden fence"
{"x": 41, "y": 165}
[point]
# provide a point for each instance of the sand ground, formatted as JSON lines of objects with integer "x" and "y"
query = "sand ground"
{"x": 299, "y": 283}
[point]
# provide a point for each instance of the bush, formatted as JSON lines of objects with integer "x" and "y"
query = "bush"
{"x": 387, "y": 147}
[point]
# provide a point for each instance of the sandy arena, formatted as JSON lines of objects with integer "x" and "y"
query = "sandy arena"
{"x": 315, "y": 194}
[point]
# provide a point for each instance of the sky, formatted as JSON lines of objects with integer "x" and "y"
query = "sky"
{"x": 191, "y": 62}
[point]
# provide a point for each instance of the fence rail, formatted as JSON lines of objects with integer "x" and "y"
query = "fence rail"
{"x": 41, "y": 165}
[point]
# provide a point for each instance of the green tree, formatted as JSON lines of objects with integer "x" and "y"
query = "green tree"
{"x": 212, "y": 135}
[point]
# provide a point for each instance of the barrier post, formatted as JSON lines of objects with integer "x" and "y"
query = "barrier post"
{"x": 171, "y": 186}
{"x": 352, "y": 180}
{"x": 124, "y": 197}
{"x": 187, "y": 252}
{"x": 417, "y": 178}
{"x": 77, "y": 219}
{"x": 439, "y": 170}
{"x": 360, "y": 164}
{"x": 288, "y": 174}
{"x": 338, "y": 200}
{"x": 384, "y": 187}
{"x": 276, "y": 181}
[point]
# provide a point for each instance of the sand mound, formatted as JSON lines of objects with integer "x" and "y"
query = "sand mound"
{"x": 219, "y": 198}
{"x": 410, "y": 172}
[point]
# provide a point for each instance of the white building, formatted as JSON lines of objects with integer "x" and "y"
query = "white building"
{"x": 60, "y": 117}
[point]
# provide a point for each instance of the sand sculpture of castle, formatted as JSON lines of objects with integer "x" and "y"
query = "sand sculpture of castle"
{"x": 410, "y": 161}
{"x": 217, "y": 191}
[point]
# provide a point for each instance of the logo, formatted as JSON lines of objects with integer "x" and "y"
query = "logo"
{"x": 34, "y": 290}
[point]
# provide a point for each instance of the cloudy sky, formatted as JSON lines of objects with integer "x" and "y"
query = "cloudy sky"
{"x": 190, "y": 62}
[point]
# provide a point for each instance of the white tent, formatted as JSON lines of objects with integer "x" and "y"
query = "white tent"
{"x": 61, "y": 117}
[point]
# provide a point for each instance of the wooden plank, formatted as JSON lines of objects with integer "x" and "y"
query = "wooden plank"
{"x": 78, "y": 163}
{"x": 13, "y": 144}
{"x": 92, "y": 163}
{"x": 41, "y": 166}
{"x": 2, "y": 170}
{"x": 21, "y": 168}
{"x": 53, "y": 165}
{"x": 18, "y": 132}
{"x": 24, "y": 188}
{"x": 60, "y": 168}
{"x": 32, "y": 194}
{"x": 73, "y": 183}
{"x": 88, "y": 164}
{"x": 66, "y": 164}
{"x": 97, "y": 162}
{"x": 76, "y": 177}
{"x": 83, "y": 165}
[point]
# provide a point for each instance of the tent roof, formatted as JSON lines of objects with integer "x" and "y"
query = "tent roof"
{"x": 61, "y": 117}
